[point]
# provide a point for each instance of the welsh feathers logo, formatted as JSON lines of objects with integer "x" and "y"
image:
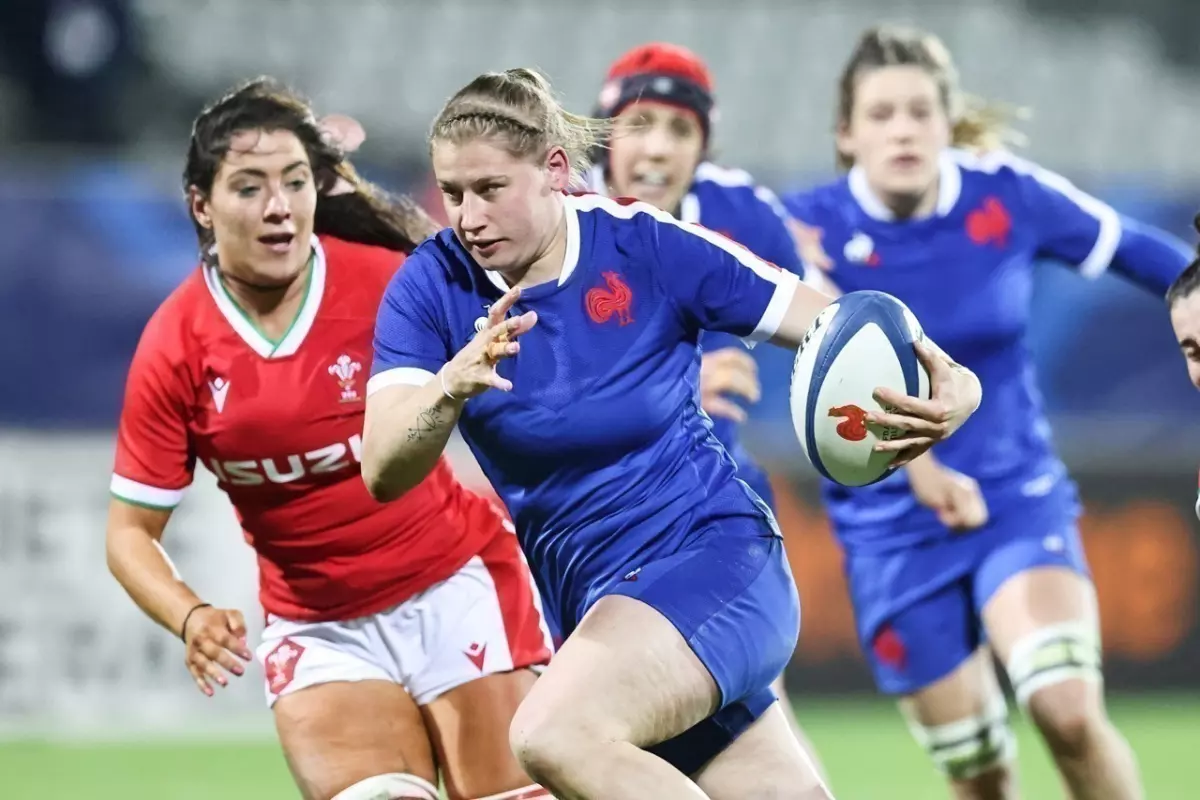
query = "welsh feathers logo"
{"x": 344, "y": 370}
{"x": 281, "y": 665}
{"x": 614, "y": 298}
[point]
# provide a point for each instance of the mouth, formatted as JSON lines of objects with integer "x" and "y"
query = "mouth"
{"x": 651, "y": 180}
{"x": 486, "y": 247}
{"x": 278, "y": 242}
{"x": 906, "y": 161}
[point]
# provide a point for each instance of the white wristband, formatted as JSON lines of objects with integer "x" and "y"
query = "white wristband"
{"x": 445, "y": 391}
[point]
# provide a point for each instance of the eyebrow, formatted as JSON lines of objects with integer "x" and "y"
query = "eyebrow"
{"x": 258, "y": 173}
{"x": 447, "y": 185}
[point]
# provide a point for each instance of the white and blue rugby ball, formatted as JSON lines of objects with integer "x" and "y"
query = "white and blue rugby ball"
{"x": 864, "y": 340}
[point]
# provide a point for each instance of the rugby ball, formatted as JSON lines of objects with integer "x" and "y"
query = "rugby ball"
{"x": 862, "y": 341}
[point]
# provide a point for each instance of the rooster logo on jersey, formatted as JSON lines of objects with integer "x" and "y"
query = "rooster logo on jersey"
{"x": 344, "y": 369}
{"x": 615, "y": 298}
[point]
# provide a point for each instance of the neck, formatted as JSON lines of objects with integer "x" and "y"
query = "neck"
{"x": 548, "y": 263}
{"x": 912, "y": 206}
{"x": 263, "y": 299}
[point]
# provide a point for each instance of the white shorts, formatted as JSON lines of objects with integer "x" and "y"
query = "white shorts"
{"x": 485, "y": 618}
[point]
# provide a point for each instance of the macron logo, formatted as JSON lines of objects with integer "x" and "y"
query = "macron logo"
{"x": 219, "y": 388}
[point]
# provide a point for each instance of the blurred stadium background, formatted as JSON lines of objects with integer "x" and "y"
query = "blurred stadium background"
{"x": 96, "y": 99}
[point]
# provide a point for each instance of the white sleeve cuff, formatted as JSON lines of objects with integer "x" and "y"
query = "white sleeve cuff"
{"x": 142, "y": 494}
{"x": 398, "y": 376}
{"x": 772, "y": 318}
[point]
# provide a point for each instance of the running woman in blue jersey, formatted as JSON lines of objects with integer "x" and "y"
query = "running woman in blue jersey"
{"x": 666, "y": 573}
{"x": 955, "y": 235}
{"x": 659, "y": 97}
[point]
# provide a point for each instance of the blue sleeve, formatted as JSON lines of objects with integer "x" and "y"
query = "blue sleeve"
{"x": 410, "y": 340}
{"x": 1078, "y": 229}
{"x": 715, "y": 283}
{"x": 773, "y": 241}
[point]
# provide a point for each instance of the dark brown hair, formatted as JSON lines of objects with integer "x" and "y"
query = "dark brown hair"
{"x": 367, "y": 215}
{"x": 1189, "y": 280}
{"x": 519, "y": 106}
{"x": 977, "y": 124}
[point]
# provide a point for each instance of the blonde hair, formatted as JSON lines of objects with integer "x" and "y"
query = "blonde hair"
{"x": 519, "y": 107}
{"x": 976, "y": 124}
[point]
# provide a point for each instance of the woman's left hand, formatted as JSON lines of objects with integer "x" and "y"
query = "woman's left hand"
{"x": 955, "y": 394}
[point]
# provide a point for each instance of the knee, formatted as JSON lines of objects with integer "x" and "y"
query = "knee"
{"x": 544, "y": 748}
{"x": 1069, "y": 716}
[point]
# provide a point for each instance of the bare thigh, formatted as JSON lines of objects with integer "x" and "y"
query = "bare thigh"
{"x": 337, "y": 734}
{"x": 469, "y": 729}
{"x": 625, "y": 674}
{"x": 765, "y": 762}
{"x": 1033, "y": 599}
{"x": 966, "y": 692}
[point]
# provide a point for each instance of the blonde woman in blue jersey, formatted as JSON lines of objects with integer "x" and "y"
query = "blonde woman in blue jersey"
{"x": 660, "y": 99}
{"x": 665, "y": 573}
{"x": 952, "y": 563}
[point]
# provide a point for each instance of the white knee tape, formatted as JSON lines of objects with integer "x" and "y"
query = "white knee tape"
{"x": 964, "y": 749}
{"x": 393, "y": 786}
{"x": 1050, "y": 655}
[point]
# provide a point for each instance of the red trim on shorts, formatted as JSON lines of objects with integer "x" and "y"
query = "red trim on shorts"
{"x": 523, "y": 624}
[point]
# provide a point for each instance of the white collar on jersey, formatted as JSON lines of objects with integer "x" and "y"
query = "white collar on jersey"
{"x": 303, "y": 323}
{"x": 570, "y": 258}
{"x": 949, "y": 189}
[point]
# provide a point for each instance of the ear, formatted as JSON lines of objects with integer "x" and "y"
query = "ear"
{"x": 199, "y": 205}
{"x": 558, "y": 167}
{"x": 844, "y": 140}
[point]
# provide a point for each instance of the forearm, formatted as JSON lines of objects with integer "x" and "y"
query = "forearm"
{"x": 1149, "y": 257}
{"x": 404, "y": 436}
{"x": 142, "y": 568}
{"x": 805, "y": 305}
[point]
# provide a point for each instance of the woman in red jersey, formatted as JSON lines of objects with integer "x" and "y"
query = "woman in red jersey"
{"x": 387, "y": 624}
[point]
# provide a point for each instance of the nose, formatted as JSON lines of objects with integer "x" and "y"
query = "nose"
{"x": 656, "y": 143}
{"x": 278, "y": 208}
{"x": 903, "y": 127}
{"x": 471, "y": 214}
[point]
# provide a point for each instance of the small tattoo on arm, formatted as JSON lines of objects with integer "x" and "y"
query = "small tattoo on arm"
{"x": 429, "y": 419}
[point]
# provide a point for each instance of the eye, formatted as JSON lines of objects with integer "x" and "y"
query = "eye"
{"x": 297, "y": 184}
{"x": 247, "y": 191}
{"x": 682, "y": 129}
{"x": 879, "y": 113}
{"x": 922, "y": 111}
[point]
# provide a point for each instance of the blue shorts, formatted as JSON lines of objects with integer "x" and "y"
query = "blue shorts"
{"x": 729, "y": 591}
{"x": 918, "y": 610}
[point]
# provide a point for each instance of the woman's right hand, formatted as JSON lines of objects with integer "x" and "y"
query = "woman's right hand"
{"x": 215, "y": 638}
{"x": 472, "y": 371}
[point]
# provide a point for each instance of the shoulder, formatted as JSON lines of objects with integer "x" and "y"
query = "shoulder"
{"x": 736, "y": 190}
{"x": 1000, "y": 167}
{"x": 819, "y": 204}
{"x": 368, "y": 261}
{"x": 176, "y": 326}
{"x": 1002, "y": 172}
{"x": 173, "y": 337}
